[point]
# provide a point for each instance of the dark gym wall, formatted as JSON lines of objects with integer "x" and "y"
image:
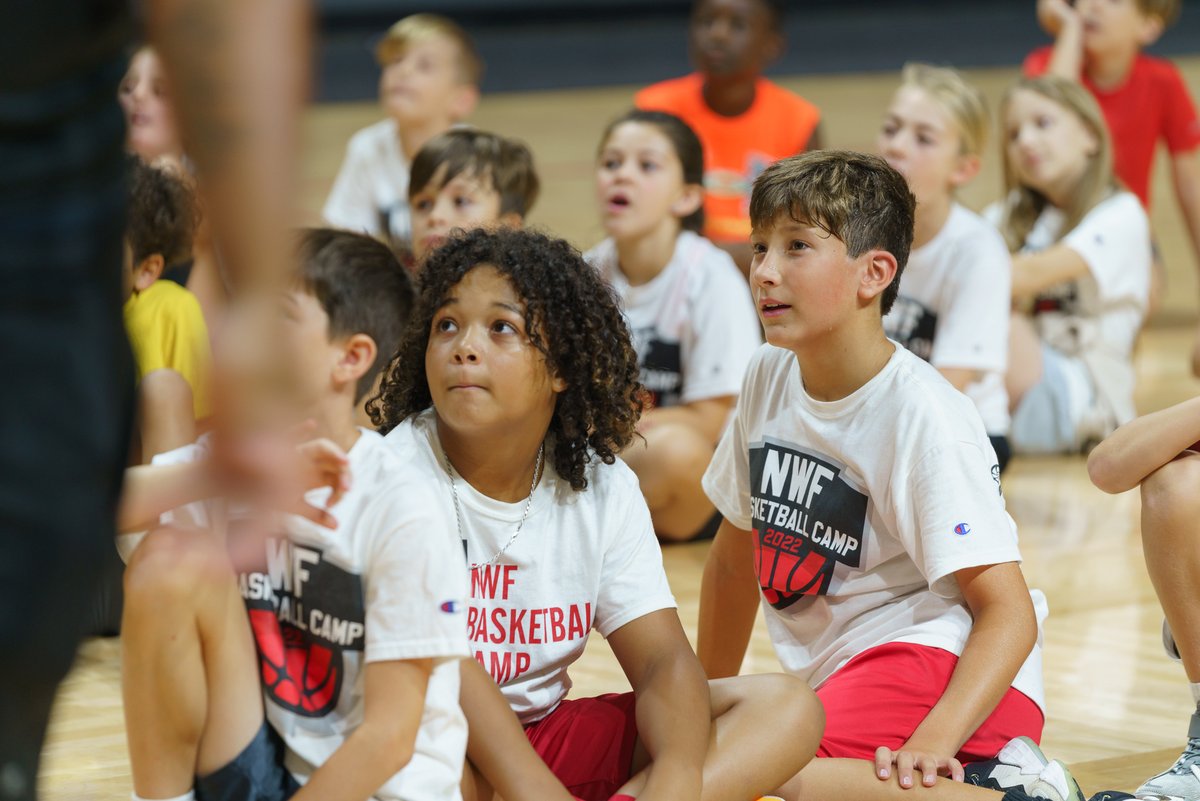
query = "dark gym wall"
{"x": 555, "y": 44}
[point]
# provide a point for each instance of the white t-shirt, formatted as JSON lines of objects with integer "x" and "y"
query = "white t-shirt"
{"x": 953, "y": 309}
{"x": 388, "y": 583}
{"x": 1094, "y": 320}
{"x": 370, "y": 193}
{"x": 583, "y": 560}
{"x": 862, "y": 511}
{"x": 694, "y": 326}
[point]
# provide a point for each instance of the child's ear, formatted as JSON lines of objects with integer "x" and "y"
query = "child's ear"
{"x": 147, "y": 271}
{"x": 558, "y": 384}
{"x": 881, "y": 268}
{"x": 463, "y": 100}
{"x": 1150, "y": 29}
{"x": 965, "y": 169}
{"x": 358, "y": 356}
{"x": 689, "y": 201}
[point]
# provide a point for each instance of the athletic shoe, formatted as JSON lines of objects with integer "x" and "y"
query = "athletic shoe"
{"x": 1113, "y": 795}
{"x": 1022, "y": 766}
{"x": 1018, "y": 765}
{"x": 1180, "y": 782}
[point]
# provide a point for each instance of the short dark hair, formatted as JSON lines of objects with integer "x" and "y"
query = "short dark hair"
{"x": 162, "y": 214}
{"x": 572, "y": 317}
{"x": 685, "y": 143}
{"x": 361, "y": 287}
{"x": 854, "y": 196}
{"x": 774, "y": 8}
{"x": 506, "y": 162}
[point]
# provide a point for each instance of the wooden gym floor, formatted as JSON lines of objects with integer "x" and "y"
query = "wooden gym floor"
{"x": 1118, "y": 708}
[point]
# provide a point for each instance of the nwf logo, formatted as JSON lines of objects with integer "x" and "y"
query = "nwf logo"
{"x": 807, "y": 520}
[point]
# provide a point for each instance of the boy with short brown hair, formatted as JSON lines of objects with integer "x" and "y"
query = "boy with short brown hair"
{"x": 429, "y": 81}
{"x": 862, "y": 508}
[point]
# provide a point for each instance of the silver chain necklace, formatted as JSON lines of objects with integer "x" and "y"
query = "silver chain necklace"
{"x": 537, "y": 471}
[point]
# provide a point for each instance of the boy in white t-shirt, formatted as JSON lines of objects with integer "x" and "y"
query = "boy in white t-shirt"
{"x": 862, "y": 504}
{"x": 351, "y": 637}
{"x": 429, "y": 82}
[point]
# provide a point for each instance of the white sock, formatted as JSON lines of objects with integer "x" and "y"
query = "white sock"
{"x": 1195, "y": 685}
{"x": 190, "y": 795}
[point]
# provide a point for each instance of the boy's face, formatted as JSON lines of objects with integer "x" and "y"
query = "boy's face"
{"x": 485, "y": 376}
{"x": 731, "y": 38}
{"x": 919, "y": 140}
{"x": 467, "y": 201}
{"x": 307, "y": 346}
{"x": 805, "y": 286}
{"x": 423, "y": 84}
{"x": 1116, "y": 26}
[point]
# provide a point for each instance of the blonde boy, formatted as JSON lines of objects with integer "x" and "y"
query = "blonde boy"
{"x": 429, "y": 81}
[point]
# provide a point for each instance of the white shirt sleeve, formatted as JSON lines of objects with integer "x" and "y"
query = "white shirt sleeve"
{"x": 725, "y": 331}
{"x": 415, "y": 585}
{"x": 972, "y": 330}
{"x": 1114, "y": 240}
{"x": 955, "y": 516}
{"x": 633, "y": 582}
{"x": 351, "y": 203}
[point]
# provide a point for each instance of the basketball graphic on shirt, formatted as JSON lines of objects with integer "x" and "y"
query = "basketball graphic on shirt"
{"x": 307, "y": 616}
{"x": 913, "y": 325}
{"x": 661, "y": 363}
{"x": 301, "y": 676}
{"x": 807, "y": 520}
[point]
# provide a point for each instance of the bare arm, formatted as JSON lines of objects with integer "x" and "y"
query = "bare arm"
{"x": 1061, "y": 21}
{"x": 728, "y": 602}
{"x": 393, "y": 701}
{"x": 674, "y": 712}
{"x": 1034, "y": 272}
{"x": 1141, "y": 446}
{"x": 960, "y": 377}
{"x": 1002, "y": 635}
{"x": 707, "y": 416}
{"x": 497, "y": 746}
{"x": 1185, "y": 170}
{"x": 150, "y": 491}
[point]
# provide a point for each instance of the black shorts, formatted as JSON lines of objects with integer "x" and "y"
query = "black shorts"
{"x": 256, "y": 774}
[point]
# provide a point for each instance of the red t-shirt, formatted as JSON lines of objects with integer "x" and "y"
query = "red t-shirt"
{"x": 1152, "y": 104}
{"x": 737, "y": 149}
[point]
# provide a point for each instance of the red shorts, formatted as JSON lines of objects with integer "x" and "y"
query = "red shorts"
{"x": 880, "y": 697}
{"x": 588, "y": 743}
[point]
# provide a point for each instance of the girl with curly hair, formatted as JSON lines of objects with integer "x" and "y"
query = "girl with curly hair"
{"x": 516, "y": 388}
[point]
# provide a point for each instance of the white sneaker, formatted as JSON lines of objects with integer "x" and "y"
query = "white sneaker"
{"x": 1180, "y": 782}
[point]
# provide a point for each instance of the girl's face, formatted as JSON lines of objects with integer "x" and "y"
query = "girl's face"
{"x": 920, "y": 139}
{"x": 146, "y": 100}
{"x": 485, "y": 376}
{"x": 639, "y": 182}
{"x": 1047, "y": 145}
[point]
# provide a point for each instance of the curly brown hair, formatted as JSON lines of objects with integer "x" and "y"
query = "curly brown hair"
{"x": 573, "y": 318}
{"x": 162, "y": 214}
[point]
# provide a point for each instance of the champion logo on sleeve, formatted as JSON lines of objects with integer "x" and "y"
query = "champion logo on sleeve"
{"x": 962, "y": 529}
{"x": 451, "y": 607}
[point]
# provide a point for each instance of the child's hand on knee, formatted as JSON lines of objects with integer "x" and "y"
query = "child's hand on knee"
{"x": 910, "y": 759}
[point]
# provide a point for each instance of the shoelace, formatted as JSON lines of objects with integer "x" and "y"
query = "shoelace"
{"x": 1189, "y": 760}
